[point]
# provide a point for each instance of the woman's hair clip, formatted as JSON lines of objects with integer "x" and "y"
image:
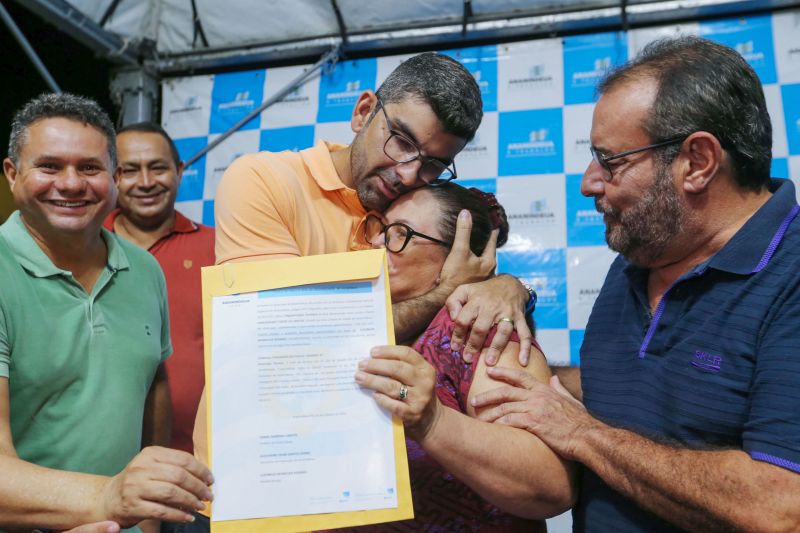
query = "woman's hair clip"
{"x": 495, "y": 211}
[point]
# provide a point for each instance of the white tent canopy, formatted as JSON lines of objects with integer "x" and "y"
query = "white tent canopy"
{"x": 179, "y": 36}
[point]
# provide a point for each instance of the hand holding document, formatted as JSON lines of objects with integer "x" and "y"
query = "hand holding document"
{"x": 294, "y": 441}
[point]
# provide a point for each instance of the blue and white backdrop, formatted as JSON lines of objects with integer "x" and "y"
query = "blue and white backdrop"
{"x": 530, "y": 150}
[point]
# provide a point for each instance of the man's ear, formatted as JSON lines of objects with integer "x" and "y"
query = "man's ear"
{"x": 363, "y": 110}
{"x": 10, "y": 170}
{"x": 701, "y": 159}
{"x": 178, "y": 174}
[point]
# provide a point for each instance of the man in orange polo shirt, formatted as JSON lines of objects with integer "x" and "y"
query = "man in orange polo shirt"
{"x": 151, "y": 172}
{"x": 287, "y": 204}
{"x": 291, "y": 204}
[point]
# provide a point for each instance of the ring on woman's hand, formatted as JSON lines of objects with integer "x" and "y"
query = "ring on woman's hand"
{"x": 403, "y": 392}
{"x": 506, "y": 319}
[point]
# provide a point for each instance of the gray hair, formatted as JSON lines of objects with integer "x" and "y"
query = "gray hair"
{"x": 444, "y": 84}
{"x": 65, "y": 105}
{"x": 704, "y": 86}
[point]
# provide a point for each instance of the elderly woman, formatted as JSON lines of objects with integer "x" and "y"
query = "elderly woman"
{"x": 466, "y": 475}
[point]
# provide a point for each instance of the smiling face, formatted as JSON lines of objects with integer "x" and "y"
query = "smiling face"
{"x": 376, "y": 177}
{"x": 415, "y": 270}
{"x": 63, "y": 182}
{"x": 149, "y": 183}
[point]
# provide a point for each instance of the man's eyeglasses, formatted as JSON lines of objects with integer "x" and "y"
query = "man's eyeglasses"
{"x": 401, "y": 149}
{"x": 603, "y": 160}
{"x": 396, "y": 235}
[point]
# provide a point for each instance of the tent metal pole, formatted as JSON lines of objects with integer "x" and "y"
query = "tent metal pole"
{"x": 467, "y": 13}
{"x": 80, "y": 27}
{"x": 340, "y": 21}
{"x": 331, "y": 56}
{"x": 29, "y": 51}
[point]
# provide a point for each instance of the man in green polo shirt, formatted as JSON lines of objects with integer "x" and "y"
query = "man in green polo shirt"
{"x": 83, "y": 335}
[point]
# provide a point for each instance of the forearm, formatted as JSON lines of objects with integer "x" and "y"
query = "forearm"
{"x": 33, "y": 496}
{"x": 508, "y": 467}
{"x": 157, "y": 423}
{"x": 412, "y": 316}
{"x": 696, "y": 490}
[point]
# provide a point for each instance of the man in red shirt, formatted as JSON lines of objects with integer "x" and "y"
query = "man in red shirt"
{"x": 146, "y": 216}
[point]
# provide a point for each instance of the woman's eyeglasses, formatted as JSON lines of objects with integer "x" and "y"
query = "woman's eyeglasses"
{"x": 396, "y": 235}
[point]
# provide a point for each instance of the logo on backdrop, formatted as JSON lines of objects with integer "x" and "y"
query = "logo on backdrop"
{"x": 582, "y": 144}
{"x": 538, "y": 144}
{"x": 589, "y": 78}
{"x": 241, "y": 99}
{"x": 544, "y": 291}
{"x": 190, "y": 173}
{"x": 296, "y": 97}
{"x": 531, "y": 142}
{"x": 536, "y": 78}
{"x": 233, "y": 96}
{"x": 483, "y": 85}
{"x": 189, "y": 105}
{"x": 339, "y": 89}
{"x": 751, "y": 37}
{"x": 346, "y": 97}
{"x": 587, "y": 58}
{"x": 585, "y": 225}
{"x": 476, "y": 148}
{"x": 588, "y": 217}
{"x": 481, "y": 62}
{"x": 748, "y": 51}
{"x": 539, "y": 213}
{"x": 588, "y": 295}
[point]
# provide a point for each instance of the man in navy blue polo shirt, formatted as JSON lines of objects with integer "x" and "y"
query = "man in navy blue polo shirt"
{"x": 691, "y": 359}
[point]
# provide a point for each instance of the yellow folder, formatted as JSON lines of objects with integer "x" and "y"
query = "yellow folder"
{"x": 238, "y": 278}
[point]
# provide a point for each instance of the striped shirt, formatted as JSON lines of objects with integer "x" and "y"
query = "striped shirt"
{"x": 716, "y": 366}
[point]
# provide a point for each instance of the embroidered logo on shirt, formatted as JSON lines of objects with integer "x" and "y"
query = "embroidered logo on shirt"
{"x": 707, "y": 362}
{"x": 187, "y": 264}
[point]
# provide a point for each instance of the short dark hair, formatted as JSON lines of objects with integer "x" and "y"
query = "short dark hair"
{"x": 444, "y": 84}
{"x": 64, "y": 105}
{"x": 152, "y": 127}
{"x": 704, "y": 86}
{"x": 486, "y": 213}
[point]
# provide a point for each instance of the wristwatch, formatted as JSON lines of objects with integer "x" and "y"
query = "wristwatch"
{"x": 531, "y": 305}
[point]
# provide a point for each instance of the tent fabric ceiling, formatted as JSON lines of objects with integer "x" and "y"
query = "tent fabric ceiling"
{"x": 167, "y": 38}
{"x": 241, "y": 23}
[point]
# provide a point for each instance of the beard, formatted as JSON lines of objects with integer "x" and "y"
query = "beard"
{"x": 366, "y": 179}
{"x": 370, "y": 195}
{"x": 643, "y": 232}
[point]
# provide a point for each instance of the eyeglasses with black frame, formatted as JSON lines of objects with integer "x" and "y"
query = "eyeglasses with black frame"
{"x": 400, "y": 149}
{"x": 603, "y": 160}
{"x": 396, "y": 235}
